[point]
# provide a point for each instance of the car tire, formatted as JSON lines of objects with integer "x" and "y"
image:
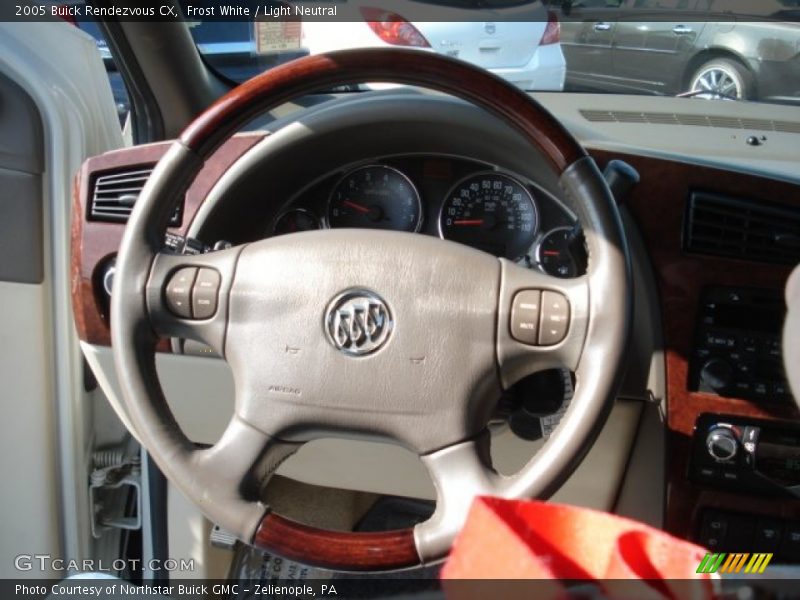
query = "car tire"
{"x": 724, "y": 79}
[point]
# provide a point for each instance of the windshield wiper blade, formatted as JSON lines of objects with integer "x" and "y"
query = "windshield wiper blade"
{"x": 713, "y": 95}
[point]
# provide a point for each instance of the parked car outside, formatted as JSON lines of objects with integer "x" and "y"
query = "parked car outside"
{"x": 521, "y": 47}
{"x": 703, "y": 48}
{"x": 526, "y": 53}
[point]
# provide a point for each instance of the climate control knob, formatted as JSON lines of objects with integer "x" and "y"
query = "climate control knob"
{"x": 721, "y": 443}
{"x": 717, "y": 374}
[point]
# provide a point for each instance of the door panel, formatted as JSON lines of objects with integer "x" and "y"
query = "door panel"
{"x": 21, "y": 248}
{"x": 586, "y": 40}
{"x": 27, "y": 444}
{"x": 29, "y": 502}
{"x": 650, "y": 51}
{"x": 21, "y": 165}
{"x": 56, "y": 108}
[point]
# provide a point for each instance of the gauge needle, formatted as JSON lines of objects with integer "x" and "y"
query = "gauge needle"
{"x": 359, "y": 207}
{"x": 468, "y": 222}
{"x": 551, "y": 253}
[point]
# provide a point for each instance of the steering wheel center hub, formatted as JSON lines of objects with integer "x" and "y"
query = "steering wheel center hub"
{"x": 303, "y": 314}
{"x": 359, "y": 322}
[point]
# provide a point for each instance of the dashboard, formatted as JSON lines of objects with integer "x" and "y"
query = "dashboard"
{"x": 464, "y": 201}
{"x": 685, "y": 171}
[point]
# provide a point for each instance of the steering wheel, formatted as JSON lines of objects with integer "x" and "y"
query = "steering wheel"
{"x": 371, "y": 333}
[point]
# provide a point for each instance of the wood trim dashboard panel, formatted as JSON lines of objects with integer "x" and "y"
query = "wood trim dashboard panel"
{"x": 657, "y": 204}
{"x": 94, "y": 243}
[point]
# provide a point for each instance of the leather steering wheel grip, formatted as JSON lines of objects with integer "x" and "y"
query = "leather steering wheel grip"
{"x": 200, "y": 473}
{"x": 791, "y": 332}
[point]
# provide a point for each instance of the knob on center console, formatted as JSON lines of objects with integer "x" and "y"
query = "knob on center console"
{"x": 721, "y": 443}
{"x": 716, "y": 373}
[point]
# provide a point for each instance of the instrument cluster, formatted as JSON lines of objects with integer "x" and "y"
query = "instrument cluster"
{"x": 458, "y": 200}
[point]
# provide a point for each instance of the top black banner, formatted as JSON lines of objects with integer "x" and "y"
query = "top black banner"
{"x": 408, "y": 10}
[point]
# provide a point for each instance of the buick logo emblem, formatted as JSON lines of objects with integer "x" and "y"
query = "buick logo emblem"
{"x": 358, "y": 322}
{"x": 490, "y": 28}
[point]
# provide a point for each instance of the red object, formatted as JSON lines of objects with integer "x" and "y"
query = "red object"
{"x": 552, "y": 33}
{"x": 393, "y": 29}
{"x": 511, "y": 539}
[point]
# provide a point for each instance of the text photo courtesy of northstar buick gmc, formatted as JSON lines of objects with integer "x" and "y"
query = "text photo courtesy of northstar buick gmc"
{"x": 395, "y": 299}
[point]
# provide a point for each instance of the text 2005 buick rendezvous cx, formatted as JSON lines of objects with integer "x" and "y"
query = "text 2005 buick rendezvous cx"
{"x": 290, "y": 328}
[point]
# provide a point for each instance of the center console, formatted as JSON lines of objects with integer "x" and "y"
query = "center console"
{"x": 722, "y": 313}
{"x": 747, "y": 455}
{"x": 737, "y": 354}
{"x": 753, "y": 457}
{"x": 738, "y": 345}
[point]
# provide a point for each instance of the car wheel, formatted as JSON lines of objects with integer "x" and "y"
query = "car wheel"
{"x": 722, "y": 79}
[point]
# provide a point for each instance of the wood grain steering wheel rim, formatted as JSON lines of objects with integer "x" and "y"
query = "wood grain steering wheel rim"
{"x": 134, "y": 332}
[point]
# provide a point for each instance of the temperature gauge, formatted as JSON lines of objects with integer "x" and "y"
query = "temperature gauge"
{"x": 556, "y": 253}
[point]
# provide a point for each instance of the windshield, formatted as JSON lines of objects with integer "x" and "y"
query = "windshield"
{"x": 728, "y": 50}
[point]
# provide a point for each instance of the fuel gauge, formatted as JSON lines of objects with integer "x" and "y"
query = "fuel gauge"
{"x": 294, "y": 220}
{"x": 556, "y": 253}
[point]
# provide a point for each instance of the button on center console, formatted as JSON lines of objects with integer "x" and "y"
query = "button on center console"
{"x": 721, "y": 444}
{"x": 747, "y": 455}
{"x": 721, "y": 530}
{"x": 737, "y": 345}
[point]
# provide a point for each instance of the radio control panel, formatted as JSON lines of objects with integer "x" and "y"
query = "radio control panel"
{"x": 737, "y": 350}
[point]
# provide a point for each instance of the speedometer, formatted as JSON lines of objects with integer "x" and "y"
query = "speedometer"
{"x": 491, "y": 212}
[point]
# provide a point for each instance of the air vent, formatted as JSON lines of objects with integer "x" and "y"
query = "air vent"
{"x": 742, "y": 228}
{"x": 662, "y": 118}
{"x": 116, "y": 192}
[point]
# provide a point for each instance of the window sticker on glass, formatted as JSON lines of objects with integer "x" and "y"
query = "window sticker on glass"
{"x": 277, "y": 36}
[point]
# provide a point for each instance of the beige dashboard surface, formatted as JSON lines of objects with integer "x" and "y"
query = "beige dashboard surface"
{"x": 692, "y": 130}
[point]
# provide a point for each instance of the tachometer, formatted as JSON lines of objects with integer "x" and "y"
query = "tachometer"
{"x": 491, "y": 212}
{"x": 376, "y": 197}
